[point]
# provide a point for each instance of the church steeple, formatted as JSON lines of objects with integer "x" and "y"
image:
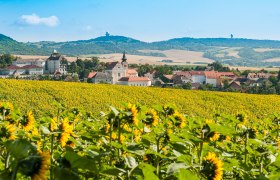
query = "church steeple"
{"x": 124, "y": 57}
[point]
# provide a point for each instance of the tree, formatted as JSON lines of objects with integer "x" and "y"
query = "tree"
{"x": 188, "y": 85}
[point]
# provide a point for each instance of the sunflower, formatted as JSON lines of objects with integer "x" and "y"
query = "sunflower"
{"x": 215, "y": 136}
{"x": 152, "y": 118}
{"x": 114, "y": 136}
{"x": 29, "y": 121}
{"x": 137, "y": 135}
{"x": 35, "y": 132}
{"x": 39, "y": 146}
{"x": 134, "y": 111}
{"x": 122, "y": 138}
{"x": 9, "y": 131}
{"x": 41, "y": 168}
{"x": 179, "y": 120}
{"x": 6, "y": 108}
{"x": 67, "y": 131}
{"x": 228, "y": 138}
{"x": 53, "y": 124}
{"x": 209, "y": 121}
{"x": 212, "y": 167}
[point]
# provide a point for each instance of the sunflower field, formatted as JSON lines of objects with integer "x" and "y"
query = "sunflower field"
{"x": 39, "y": 96}
{"x": 137, "y": 142}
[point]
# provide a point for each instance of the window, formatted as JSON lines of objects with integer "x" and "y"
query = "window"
{"x": 119, "y": 74}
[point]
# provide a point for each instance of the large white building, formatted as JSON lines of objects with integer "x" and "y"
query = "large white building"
{"x": 25, "y": 62}
{"x": 54, "y": 64}
{"x": 135, "y": 81}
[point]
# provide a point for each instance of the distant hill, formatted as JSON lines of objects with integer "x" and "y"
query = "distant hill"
{"x": 237, "y": 52}
{"x": 11, "y": 46}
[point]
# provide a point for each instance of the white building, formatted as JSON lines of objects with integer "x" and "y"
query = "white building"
{"x": 135, "y": 81}
{"x": 25, "y": 70}
{"x": 198, "y": 77}
{"x": 54, "y": 64}
{"x": 25, "y": 62}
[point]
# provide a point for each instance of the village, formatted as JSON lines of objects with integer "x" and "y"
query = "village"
{"x": 120, "y": 72}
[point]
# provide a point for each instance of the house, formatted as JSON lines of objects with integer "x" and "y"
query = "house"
{"x": 198, "y": 77}
{"x": 182, "y": 77}
{"x": 235, "y": 85}
{"x": 118, "y": 70}
{"x": 132, "y": 73}
{"x": 256, "y": 76}
{"x": 212, "y": 77}
{"x": 54, "y": 64}
{"x": 25, "y": 70}
{"x": 151, "y": 76}
{"x": 135, "y": 81}
{"x": 25, "y": 62}
{"x": 100, "y": 77}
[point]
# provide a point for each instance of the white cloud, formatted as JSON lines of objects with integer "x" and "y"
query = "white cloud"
{"x": 34, "y": 19}
{"x": 87, "y": 28}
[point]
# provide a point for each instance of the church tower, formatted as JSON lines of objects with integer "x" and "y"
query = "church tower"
{"x": 124, "y": 60}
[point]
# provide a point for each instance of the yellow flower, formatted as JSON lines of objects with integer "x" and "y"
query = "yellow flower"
{"x": 122, "y": 138}
{"x": 114, "y": 135}
{"x": 127, "y": 128}
{"x": 213, "y": 167}
{"x": 29, "y": 121}
{"x": 153, "y": 119}
{"x": 10, "y": 131}
{"x": 228, "y": 138}
{"x": 209, "y": 121}
{"x": 53, "y": 125}
{"x": 67, "y": 130}
{"x": 137, "y": 138}
{"x": 215, "y": 136}
{"x": 169, "y": 131}
{"x": 43, "y": 167}
{"x": 180, "y": 119}
{"x": 107, "y": 127}
{"x": 39, "y": 146}
{"x": 35, "y": 132}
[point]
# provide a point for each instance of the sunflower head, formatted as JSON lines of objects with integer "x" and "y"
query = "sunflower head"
{"x": 8, "y": 131}
{"x": 36, "y": 166}
{"x": 214, "y": 136}
{"x": 6, "y": 108}
{"x": 28, "y": 121}
{"x": 151, "y": 118}
{"x": 212, "y": 167}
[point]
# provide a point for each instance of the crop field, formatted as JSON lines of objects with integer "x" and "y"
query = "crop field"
{"x": 41, "y": 95}
{"x": 56, "y": 130}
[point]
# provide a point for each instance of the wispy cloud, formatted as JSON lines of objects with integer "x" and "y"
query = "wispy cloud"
{"x": 87, "y": 28}
{"x": 34, "y": 19}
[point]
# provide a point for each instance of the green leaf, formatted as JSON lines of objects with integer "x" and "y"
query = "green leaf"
{"x": 80, "y": 162}
{"x": 224, "y": 130}
{"x": 19, "y": 148}
{"x": 115, "y": 111}
{"x": 113, "y": 171}
{"x": 175, "y": 167}
{"x": 45, "y": 130}
{"x": 148, "y": 171}
{"x": 185, "y": 174}
{"x": 62, "y": 173}
{"x": 131, "y": 162}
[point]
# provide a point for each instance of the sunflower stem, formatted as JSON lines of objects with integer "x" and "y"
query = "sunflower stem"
{"x": 7, "y": 160}
{"x": 201, "y": 148}
{"x": 14, "y": 175}
{"x": 51, "y": 176}
{"x": 245, "y": 149}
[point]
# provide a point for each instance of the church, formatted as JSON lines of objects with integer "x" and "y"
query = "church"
{"x": 119, "y": 73}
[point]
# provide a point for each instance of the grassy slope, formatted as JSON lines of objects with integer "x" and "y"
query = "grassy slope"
{"x": 39, "y": 95}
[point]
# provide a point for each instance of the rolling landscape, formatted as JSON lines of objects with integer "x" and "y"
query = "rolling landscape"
{"x": 181, "y": 90}
{"x": 182, "y": 51}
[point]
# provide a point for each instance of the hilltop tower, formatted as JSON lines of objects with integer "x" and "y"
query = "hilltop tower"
{"x": 124, "y": 60}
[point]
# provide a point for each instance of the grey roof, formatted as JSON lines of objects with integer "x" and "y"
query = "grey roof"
{"x": 102, "y": 75}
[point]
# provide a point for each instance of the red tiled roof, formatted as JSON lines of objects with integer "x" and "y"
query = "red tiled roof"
{"x": 91, "y": 74}
{"x": 132, "y": 71}
{"x": 168, "y": 76}
{"x": 197, "y": 73}
{"x": 211, "y": 74}
{"x": 31, "y": 67}
{"x": 134, "y": 79}
{"x": 226, "y": 73}
{"x": 13, "y": 67}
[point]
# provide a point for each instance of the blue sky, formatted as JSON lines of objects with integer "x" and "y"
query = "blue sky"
{"x": 147, "y": 20}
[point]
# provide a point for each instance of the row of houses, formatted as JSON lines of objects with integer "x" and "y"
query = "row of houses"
{"x": 214, "y": 78}
{"x": 53, "y": 64}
